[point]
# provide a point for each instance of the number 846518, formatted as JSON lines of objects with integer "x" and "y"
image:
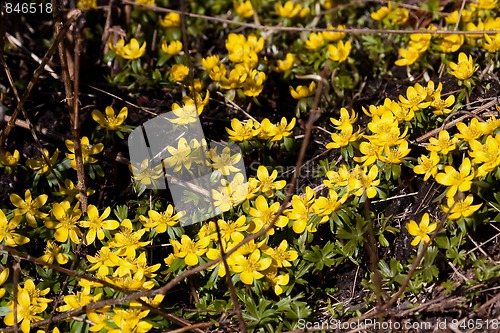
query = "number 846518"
{"x": 28, "y": 8}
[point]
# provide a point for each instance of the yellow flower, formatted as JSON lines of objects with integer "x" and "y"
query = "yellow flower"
{"x": 39, "y": 164}
{"x": 243, "y": 9}
{"x": 180, "y": 156}
{"x": 460, "y": 208}
{"x": 242, "y": 132}
{"x": 468, "y": 133}
{"x": 441, "y": 106}
{"x": 278, "y": 281}
{"x": 29, "y": 207}
{"x": 427, "y": 165}
{"x": 288, "y": 10}
{"x": 342, "y": 139}
{"x": 160, "y": 222}
{"x": 170, "y": 20}
{"x": 314, "y": 41}
{"x": 281, "y": 255}
{"x": 189, "y": 112}
{"x": 345, "y": 119}
{"x": 145, "y": 174}
{"x": 146, "y": 2}
{"x": 7, "y": 229}
{"x": 488, "y": 154}
{"x": 370, "y": 151}
{"x": 127, "y": 240}
{"x": 382, "y": 12}
{"x": 395, "y": 154}
{"x": 130, "y": 320}
{"x": 362, "y": 181}
{"x": 421, "y": 231}
{"x": 460, "y": 180}
{"x": 189, "y": 250}
{"x": 450, "y": 43}
{"x": 4, "y": 275}
{"x": 111, "y": 122}
{"x": 443, "y": 144}
{"x": 53, "y": 252}
{"x": 210, "y": 62}
{"x": 263, "y": 215}
{"x": 408, "y": 56}
{"x": 254, "y": 83}
{"x": 267, "y": 184}
{"x": 10, "y": 159}
{"x": 484, "y": 4}
{"x": 86, "y": 4}
{"x": 132, "y": 50}
{"x": 303, "y": 91}
{"x": 333, "y": 36}
{"x": 279, "y": 130}
{"x": 97, "y": 224}
{"x": 27, "y": 312}
{"x": 251, "y": 267}
{"x": 324, "y": 207}
{"x": 340, "y": 52}
{"x": 399, "y": 16}
{"x": 464, "y": 69}
{"x": 284, "y": 65}
{"x": 492, "y": 44}
{"x": 225, "y": 161}
{"x": 66, "y": 222}
{"x": 453, "y": 17}
{"x": 173, "y": 48}
{"x": 178, "y": 72}
{"x": 87, "y": 151}
{"x": 415, "y": 98}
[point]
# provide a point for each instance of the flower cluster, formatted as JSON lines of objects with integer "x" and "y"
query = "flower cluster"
{"x": 243, "y": 55}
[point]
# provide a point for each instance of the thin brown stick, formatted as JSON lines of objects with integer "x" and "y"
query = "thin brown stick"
{"x": 445, "y": 126}
{"x": 193, "y": 326}
{"x": 352, "y": 31}
{"x": 72, "y": 102}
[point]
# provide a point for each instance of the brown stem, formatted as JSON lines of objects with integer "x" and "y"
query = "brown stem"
{"x": 72, "y": 101}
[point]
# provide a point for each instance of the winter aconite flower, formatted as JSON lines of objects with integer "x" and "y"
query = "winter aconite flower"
{"x": 171, "y": 20}
{"x": 87, "y": 151}
{"x": 242, "y": 131}
{"x": 29, "y": 207}
{"x": 9, "y": 159}
{"x": 7, "y": 231}
{"x": 460, "y": 208}
{"x": 243, "y": 9}
{"x": 110, "y": 121}
{"x": 130, "y": 51}
{"x": 97, "y": 224}
{"x": 284, "y": 65}
{"x": 464, "y": 68}
{"x": 179, "y": 72}
{"x": 340, "y": 52}
{"x": 54, "y": 252}
{"x": 303, "y": 91}
{"x": 40, "y": 164}
{"x": 172, "y": 48}
{"x": 190, "y": 250}
{"x": 460, "y": 180}
{"x": 263, "y": 214}
{"x": 251, "y": 267}
{"x": 421, "y": 231}
{"x": 66, "y": 222}
{"x": 427, "y": 165}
